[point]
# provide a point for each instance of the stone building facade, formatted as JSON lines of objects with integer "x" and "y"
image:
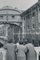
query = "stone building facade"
{"x": 17, "y": 25}
{"x": 10, "y": 24}
{"x": 31, "y": 19}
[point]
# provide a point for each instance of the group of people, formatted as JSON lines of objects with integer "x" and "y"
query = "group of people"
{"x": 19, "y": 51}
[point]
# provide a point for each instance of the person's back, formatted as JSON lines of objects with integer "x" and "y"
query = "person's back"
{"x": 21, "y": 49}
{"x": 31, "y": 53}
{"x": 10, "y": 51}
{"x": 21, "y": 52}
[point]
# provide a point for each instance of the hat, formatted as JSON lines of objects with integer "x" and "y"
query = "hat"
{"x": 21, "y": 42}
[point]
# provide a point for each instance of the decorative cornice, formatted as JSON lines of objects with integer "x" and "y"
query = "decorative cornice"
{"x": 29, "y": 9}
{"x": 9, "y": 8}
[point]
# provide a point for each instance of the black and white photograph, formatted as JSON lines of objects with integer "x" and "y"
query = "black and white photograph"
{"x": 19, "y": 29}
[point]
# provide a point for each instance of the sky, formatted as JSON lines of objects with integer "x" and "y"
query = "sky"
{"x": 20, "y": 4}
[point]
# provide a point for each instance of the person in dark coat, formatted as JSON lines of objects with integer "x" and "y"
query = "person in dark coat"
{"x": 10, "y": 47}
{"x": 21, "y": 51}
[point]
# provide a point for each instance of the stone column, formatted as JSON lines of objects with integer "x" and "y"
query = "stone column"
{"x": 19, "y": 34}
{"x": 13, "y": 33}
{"x": 6, "y": 37}
{"x": 37, "y": 56}
{"x": 23, "y": 28}
{"x": 7, "y": 26}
